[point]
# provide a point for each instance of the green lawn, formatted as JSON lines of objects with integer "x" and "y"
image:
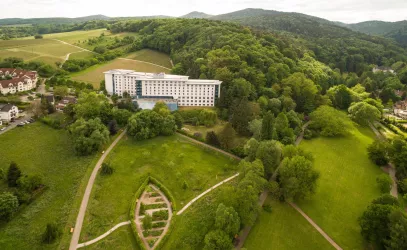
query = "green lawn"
{"x": 346, "y": 186}
{"x": 151, "y": 56}
{"x": 39, "y": 149}
{"x": 172, "y": 160}
{"x": 284, "y": 228}
{"x": 95, "y": 74}
{"x": 122, "y": 238}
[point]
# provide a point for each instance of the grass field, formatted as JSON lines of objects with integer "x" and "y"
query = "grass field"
{"x": 346, "y": 186}
{"x": 172, "y": 160}
{"x": 95, "y": 74}
{"x": 82, "y": 55}
{"x": 284, "y": 228}
{"x": 122, "y": 238}
{"x": 39, "y": 149}
{"x": 151, "y": 56}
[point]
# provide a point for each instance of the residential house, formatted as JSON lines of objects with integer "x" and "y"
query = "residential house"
{"x": 21, "y": 80}
{"x": 64, "y": 102}
{"x": 383, "y": 69}
{"x": 8, "y": 112}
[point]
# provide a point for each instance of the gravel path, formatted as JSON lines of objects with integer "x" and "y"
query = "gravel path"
{"x": 103, "y": 235}
{"x": 81, "y": 215}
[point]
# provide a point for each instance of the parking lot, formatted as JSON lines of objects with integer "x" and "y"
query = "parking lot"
{"x": 23, "y": 121}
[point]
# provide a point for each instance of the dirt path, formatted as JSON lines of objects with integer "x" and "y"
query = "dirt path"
{"x": 326, "y": 236}
{"x": 82, "y": 211}
{"x": 209, "y": 146}
{"x": 103, "y": 235}
{"x": 204, "y": 193}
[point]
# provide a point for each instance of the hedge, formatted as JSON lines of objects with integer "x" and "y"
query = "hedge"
{"x": 165, "y": 190}
{"x": 132, "y": 210}
{"x": 170, "y": 229}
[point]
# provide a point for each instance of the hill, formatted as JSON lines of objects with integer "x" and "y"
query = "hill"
{"x": 196, "y": 14}
{"x": 53, "y": 20}
{"x": 339, "y": 47}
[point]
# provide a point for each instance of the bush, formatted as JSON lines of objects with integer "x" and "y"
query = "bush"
{"x": 160, "y": 215}
{"x": 13, "y": 174}
{"x": 267, "y": 208}
{"x": 384, "y": 181}
{"x": 159, "y": 224}
{"x": 8, "y": 205}
{"x": 51, "y": 233}
{"x": 147, "y": 222}
{"x": 106, "y": 169}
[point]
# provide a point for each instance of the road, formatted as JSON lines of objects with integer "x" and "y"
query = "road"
{"x": 15, "y": 123}
{"x": 81, "y": 214}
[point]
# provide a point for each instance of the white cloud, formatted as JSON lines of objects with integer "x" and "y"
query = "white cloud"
{"x": 338, "y": 10}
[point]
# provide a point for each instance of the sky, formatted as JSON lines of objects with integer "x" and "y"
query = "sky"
{"x": 348, "y": 11}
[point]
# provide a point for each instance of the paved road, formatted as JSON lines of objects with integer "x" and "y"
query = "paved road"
{"x": 15, "y": 123}
{"x": 81, "y": 215}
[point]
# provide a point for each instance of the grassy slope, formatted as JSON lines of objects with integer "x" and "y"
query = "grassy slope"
{"x": 346, "y": 186}
{"x": 39, "y": 149}
{"x": 95, "y": 74}
{"x": 170, "y": 159}
{"x": 284, "y": 228}
{"x": 151, "y": 56}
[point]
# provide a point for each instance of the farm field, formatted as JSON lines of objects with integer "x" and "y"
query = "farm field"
{"x": 151, "y": 56}
{"x": 346, "y": 186}
{"x": 95, "y": 74}
{"x": 284, "y": 228}
{"x": 172, "y": 160}
{"x": 39, "y": 149}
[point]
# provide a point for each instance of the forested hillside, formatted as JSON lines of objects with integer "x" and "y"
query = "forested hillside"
{"x": 339, "y": 47}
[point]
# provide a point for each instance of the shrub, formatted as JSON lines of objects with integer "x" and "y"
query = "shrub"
{"x": 8, "y": 205}
{"x": 147, "y": 222}
{"x": 106, "y": 169}
{"x": 51, "y": 233}
{"x": 184, "y": 185}
{"x": 13, "y": 174}
{"x": 384, "y": 181}
{"x": 160, "y": 215}
{"x": 267, "y": 208}
{"x": 159, "y": 224}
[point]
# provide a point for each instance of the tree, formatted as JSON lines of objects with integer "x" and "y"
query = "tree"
{"x": 398, "y": 156}
{"x": 212, "y": 139}
{"x": 303, "y": 91}
{"x": 329, "y": 121}
{"x": 161, "y": 108}
{"x": 298, "y": 178}
{"x": 178, "y": 120}
{"x": 121, "y": 116}
{"x": 250, "y": 149}
{"x": 269, "y": 152}
{"x": 398, "y": 231}
{"x": 106, "y": 169}
{"x": 227, "y": 136}
{"x": 341, "y": 96}
{"x": 217, "y": 240}
{"x": 364, "y": 113}
{"x": 147, "y": 222}
{"x": 112, "y": 126}
{"x": 145, "y": 124}
{"x": 374, "y": 223}
{"x": 13, "y": 174}
{"x": 267, "y": 127}
{"x": 92, "y": 105}
{"x": 227, "y": 220}
{"x": 384, "y": 182}
{"x": 52, "y": 232}
{"x": 29, "y": 183}
{"x": 208, "y": 117}
{"x": 378, "y": 152}
{"x": 61, "y": 91}
{"x": 284, "y": 132}
{"x": 8, "y": 205}
{"x": 89, "y": 136}
{"x": 255, "y": 128}
{"x": 241, "y": 114}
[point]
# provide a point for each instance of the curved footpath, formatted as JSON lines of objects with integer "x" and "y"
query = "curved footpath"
{"x": 81, "y": 215}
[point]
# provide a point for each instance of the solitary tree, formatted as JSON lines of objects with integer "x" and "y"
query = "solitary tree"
{"x": 13, "y": 174}
{"x": 8, "y": 205}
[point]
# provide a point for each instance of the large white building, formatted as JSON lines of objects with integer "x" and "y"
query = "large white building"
{"x": 17, "y": 80}
{"x": 8, "y": 112}
{"x": 185, "y": 91}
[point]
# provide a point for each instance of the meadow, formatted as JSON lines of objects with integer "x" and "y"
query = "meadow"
{"x": 151, "y": 56}
{"x": 284, "y": 228}
{"x": 39, "y": 149}
{"x": 94, "y": 74}
{"x": 346, "y": 186}
{"x": 172, "y": 160}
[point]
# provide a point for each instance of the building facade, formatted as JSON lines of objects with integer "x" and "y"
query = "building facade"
{"x": 8, "y": 112}
{"x": 185, "y": 91}
{"x": 17, "y": 80}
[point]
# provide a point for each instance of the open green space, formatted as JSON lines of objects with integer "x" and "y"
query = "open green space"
{"x": 151, "y": 56}
{"x": 346, "y": 186}
{"x": 94, "y": 74}
{"x": 172, "y": 160}
{"x": 82, "y": 55}
{"x": 121, "y": 238}
{"x": 284, "y": 228}
{"x": 39, "y": 149}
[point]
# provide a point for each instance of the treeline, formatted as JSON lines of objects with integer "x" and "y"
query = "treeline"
{"x": 43, "y": 69}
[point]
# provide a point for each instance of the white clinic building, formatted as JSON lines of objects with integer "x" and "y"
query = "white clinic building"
{"x": 140, "y": 85}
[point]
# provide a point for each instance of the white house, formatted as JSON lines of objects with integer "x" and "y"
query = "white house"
{"x": 140, "y": 85}
{"x": 383, "y": 69}
{"x": 8, "y": 112}
{"x": 21, "y": 80}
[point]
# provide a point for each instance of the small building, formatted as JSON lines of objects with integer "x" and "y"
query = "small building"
{"x": 383, "y": 69}
{"x": 8, "y": 112}
{"x": 65, "y": 102}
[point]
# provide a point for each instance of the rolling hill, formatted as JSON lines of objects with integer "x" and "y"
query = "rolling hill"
{"x": 196, "y": 14}
{"x": 54, "y": 20}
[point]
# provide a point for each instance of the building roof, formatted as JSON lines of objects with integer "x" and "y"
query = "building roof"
{"x": 19, "y": 76}
{"x": 6, "y": 107}
{"x": 13, "y": 82}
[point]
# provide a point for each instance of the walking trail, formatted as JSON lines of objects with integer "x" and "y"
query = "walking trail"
{"x": 243, "y": 235}
{"x": 81, "y": 215}
{"x": 390, "y": 169}
{"x": 204, "y": 193}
